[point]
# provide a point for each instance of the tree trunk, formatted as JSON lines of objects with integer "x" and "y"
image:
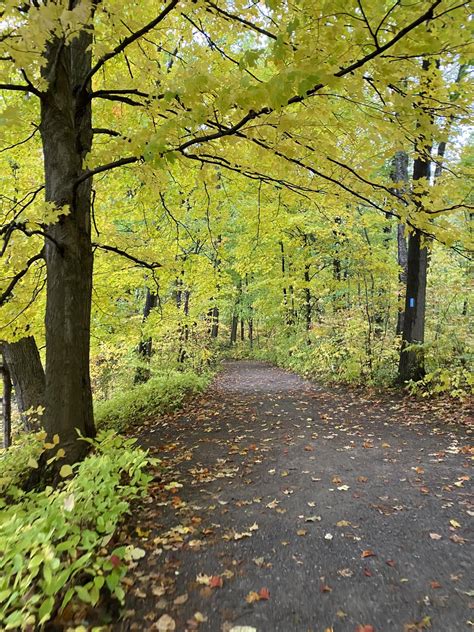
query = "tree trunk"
{"x": 66, "y": 132}
{"x": 402, "y": 253}
{"x": 215, "y": 322}
{"x": 184, "y": 330}
{"x": 23, "y": 361}
{"x": 145, "y": 346}
{"x": 412, "y": 363}
{"x": 399, "y": 176}
{"x": 233, "y": 329}
{"x": 411, "y": 366}
{"x": 242, "y": 330}
{"x": 307, "y": 297}
{"x": 6, "y": 405}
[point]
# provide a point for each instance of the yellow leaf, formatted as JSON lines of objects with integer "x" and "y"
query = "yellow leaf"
{"x": 32, "y": 462}
{"x": 66, "y": 470}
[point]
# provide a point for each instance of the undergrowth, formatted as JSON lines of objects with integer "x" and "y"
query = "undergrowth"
{"x": 161, "y": 394}
{"x": 56, "y": 544}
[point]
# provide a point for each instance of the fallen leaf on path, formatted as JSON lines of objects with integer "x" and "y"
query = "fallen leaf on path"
{"x": 252, "y": 597}
{"x": 457, "y": 539}
{"x": 301, "y": 532}
{"x": 343, "y": 523}
{"x": 435, "y": 584}
{"x": 328, "y": 536}
{"x": 365, "y": 628}
{"x": 264, "y": 593}
{"x": 181, "y": 599}
{"x": 199, "y": 617}
{"x": 325, "y": 588}
{"x": 273, "y": 504}
{"x": 367, "y": 572}
{"x": 455, "y": 524}
{"x": 166, "y": 624}
{"x": 243, "y": 628}
{"x": 368, "y": 553}
{"x": 216, "y": 582}
{"x": 435, "y": 536}
{"x": 424, "y": 624}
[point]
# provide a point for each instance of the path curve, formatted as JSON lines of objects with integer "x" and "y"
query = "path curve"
{"x": 348, "y": 511}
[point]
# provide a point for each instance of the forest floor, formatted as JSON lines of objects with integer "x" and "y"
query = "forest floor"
{"x": 303, "y": 509}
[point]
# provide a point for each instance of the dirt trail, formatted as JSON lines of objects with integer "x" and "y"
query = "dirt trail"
{"x": 303, "y": 509}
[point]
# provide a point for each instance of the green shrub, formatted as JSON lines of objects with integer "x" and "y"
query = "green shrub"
{"x": 159, "y": 395}
{"x": 56, "y": 544}
{"x": 17, "y": 461}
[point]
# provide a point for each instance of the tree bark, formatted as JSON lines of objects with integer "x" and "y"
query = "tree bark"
{"x": 144, "y": 350}
{"x": 6, "y": 405}
{"x": 412, "y": 364}
{"x": 23, "y": 361}
{"x": 214, "y": 313}
{"x": 66, "y": 133}
{"x": 233, "y": 329}
{"x": 399, "y": 176}
{"x": 402, "y": 253}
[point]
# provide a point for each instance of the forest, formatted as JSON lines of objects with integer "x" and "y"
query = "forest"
{"x": 236, "y": 242}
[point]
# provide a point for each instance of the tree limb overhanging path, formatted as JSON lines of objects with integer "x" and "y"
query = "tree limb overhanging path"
{"x": 289, "y": 507}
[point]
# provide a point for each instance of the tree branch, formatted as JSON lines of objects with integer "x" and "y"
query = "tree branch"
{"x": 123, "y": 253}
{"x": 5, "y": 295}
{"x": 21, "y": 142}
{"x": 252, "y": 114}
{"x": 127, "y": 41}
{"x": 111, "y": 165}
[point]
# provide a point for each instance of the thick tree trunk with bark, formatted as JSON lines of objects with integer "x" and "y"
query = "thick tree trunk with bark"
{"x": 24, "y": 364}
{"x": 6, "y": 405}
{"x": 66, "y": 132}
{"x": 399, "y": 176}
{"x": 412, "y": 365}
{"x": 402, "y": 251}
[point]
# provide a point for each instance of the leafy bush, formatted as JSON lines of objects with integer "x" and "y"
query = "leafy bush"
{"x": 16, "y": 462}
{"x": 53, "y": 542}
{"x": 457, "y": 382}
{"x": 160, "y": 394}
{"x": 342, "y": 350}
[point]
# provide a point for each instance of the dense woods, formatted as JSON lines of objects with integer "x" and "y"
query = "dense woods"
{"x": 182, "y": 181}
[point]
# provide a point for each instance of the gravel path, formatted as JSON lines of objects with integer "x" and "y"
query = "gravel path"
{"x": 303, "y": 509}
